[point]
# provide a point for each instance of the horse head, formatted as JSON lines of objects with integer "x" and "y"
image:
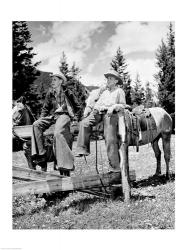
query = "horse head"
{"x": 22, "y": 115}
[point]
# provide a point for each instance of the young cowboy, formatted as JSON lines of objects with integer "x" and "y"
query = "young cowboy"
{"x": 56, "y": 110}
{"x": 107, "y": 100}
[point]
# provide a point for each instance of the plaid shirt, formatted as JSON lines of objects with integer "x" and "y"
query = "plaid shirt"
{"x": 53, "y": 101}
{"x": 60, "y": 99}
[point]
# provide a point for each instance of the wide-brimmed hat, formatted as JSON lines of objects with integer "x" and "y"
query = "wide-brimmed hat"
{"x": 114, "y": 74}
{"x": 61, "y": 76}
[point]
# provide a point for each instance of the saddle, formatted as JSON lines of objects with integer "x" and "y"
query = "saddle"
{"x": 138, "y": 121}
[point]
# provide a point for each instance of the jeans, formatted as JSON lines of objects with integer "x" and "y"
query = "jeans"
{"x": 110, "y": 134}
{"x": 62, "y": 139}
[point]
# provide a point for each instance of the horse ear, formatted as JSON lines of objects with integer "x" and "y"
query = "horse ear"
{"x": 22, "y": 99}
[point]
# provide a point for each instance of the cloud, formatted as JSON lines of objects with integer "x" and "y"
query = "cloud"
{"x": 141, "y": 55}
{"x": 91, "y": 67}
{"x": 133, "y": 36}
{"x": 138, "y": 41}
{"x": 42, "y": 29}
{"x": 74, "y": 38}
{"x": 88, "y": 80}
{"x": 145, "y": 68}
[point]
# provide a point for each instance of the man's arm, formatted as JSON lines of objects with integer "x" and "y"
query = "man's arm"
{"x": 120, "y": 104}
{"x": 92, "y": 99}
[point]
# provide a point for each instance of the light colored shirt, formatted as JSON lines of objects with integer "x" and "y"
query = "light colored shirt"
{"x": 94, "y": 96}
{"x": 109, "y": 98}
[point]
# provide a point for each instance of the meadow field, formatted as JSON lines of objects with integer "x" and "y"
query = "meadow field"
{"x": 152, "y": 204}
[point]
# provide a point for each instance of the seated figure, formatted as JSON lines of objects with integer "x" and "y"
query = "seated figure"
{"x": 101, "y": 106}
{"x": 56, "y": 110}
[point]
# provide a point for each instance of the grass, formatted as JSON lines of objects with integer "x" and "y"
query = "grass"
{"x": 152, "y": 205}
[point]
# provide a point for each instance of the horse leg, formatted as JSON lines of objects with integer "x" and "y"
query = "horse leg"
{"x": 157, "y": 152}
{"x": 166, "y": 138}
{"x": 27, "y": 152}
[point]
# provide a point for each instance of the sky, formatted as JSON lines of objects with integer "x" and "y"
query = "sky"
{"x": 92, "y": 45}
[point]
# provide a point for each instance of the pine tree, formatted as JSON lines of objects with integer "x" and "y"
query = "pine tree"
{"x": 64, "y": 67}
{"x": 119, "y": 64}
{"x": 128, "y": 89}
{"x": 24, "y": 71}
{"x": 75, "y": 90}
{"x": 149, "y": 102}
{"x": 74, "y": 71}
{"x": 165, "y": 77}
{"x": 137, "y": 93}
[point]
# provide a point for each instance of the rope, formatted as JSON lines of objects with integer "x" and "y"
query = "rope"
{"x": 96, "y": 167}
{"x": 101, "y": 158}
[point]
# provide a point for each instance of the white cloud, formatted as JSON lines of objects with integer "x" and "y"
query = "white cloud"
{"x": 91, "y": 66}
{"x": 42, "y": 29}
{"x": 74, "y": 38}
{"x": 145, "y": 68}
{"x": 132, "y": 36}
{"x": 88, "y": 79}
{"x": 71, "y": 37}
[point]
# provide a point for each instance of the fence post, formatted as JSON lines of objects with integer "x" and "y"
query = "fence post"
{"x": 124, "y": 160}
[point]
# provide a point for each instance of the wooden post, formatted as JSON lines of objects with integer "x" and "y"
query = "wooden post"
{"x": 124, "y": 161}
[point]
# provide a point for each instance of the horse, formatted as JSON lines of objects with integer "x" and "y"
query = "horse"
{"x": 22, "y": 115}
{"x": 150, "y": 133}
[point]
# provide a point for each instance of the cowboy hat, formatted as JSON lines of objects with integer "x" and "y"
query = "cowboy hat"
{"x": 61, "y": 76}
{"x": 114, "y": 74}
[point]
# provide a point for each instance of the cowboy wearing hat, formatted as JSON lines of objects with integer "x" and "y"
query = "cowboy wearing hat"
{"x": 107, "y": 99}
{"x": 56, "y": 110}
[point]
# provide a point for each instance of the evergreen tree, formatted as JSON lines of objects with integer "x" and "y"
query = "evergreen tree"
{"x": 75, "y": 90}
{"x": 128, "y": 89}
{"x": 137, "y": 93}
{"x": 165, "y": 77}
{"x": 77, "y": 94}
{"x": 74, "y": 71}
{"x": 149, "y": 102}
{"x": 24, "y": 71}
{"x": 119, "y": 64}
{"x": 64, "y": 67}
{"x": 38, "y": 92}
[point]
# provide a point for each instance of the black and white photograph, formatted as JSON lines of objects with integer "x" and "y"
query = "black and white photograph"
{"x": 93, "y": 125}
{"x": 92, "y": 130}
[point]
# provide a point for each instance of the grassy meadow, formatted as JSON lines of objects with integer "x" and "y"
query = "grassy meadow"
{"x": 152, "y": 203}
